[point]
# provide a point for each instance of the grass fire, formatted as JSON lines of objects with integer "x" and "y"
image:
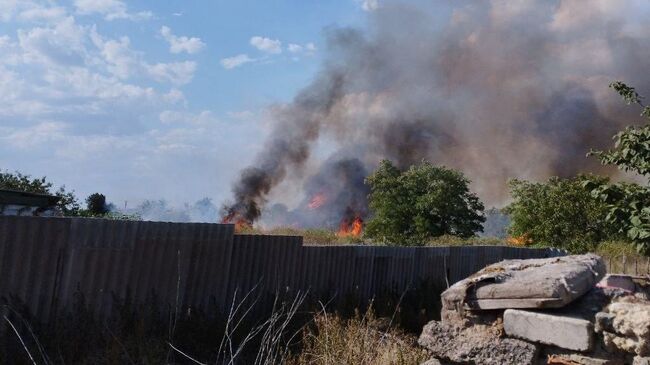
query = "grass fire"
{"x": 325, "y": 182}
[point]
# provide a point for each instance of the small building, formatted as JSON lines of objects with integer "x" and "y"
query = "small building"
{"x": 14, "y": 202}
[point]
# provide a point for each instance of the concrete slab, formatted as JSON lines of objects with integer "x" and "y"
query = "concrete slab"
{"x": 535, "y": 283}
{"x": 624, "y": 282}
{"x": 549, "y": 329}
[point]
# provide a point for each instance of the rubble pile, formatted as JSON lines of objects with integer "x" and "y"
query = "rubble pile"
{"x": 561, "y": 310}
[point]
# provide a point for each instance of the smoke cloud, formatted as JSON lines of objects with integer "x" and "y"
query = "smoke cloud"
{"x": 498, "y": 89}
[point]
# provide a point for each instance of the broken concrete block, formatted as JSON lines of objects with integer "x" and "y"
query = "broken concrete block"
{"x": 550, "y": 329}
{"x": 614, "y": 341}
{"x": 478, "y": 344}
{"x": 639, "y": 360}
{"x": 535, "y": 283}
{"x": 626, "y": 326}
{"x": 624, "y": 282}
{"x": 575, "y": 359}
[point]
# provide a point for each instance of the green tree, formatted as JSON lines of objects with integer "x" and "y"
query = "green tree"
{"x": 628, "y": 203}
{"x": 559, "y": 213}
{"x": 16, "y": 181}
{"x": 410, "y": 207}
{"x": 96, "y": 204}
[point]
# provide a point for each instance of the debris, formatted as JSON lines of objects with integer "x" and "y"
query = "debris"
{"x": 575, "y": 359}
{"x": 476, "y": 345}
{"x": 556, "y": 311}
{"x": 639, "y": 360}
{"x": 624, "y": 282}
{"x": 625, "y": 325}
{"x": 536, "y": 283}
{"x": 549, "y": 329}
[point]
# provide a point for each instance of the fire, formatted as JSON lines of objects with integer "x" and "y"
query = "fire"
{"x": 317, "y": 201}
{"x": 350, "y": 228}
{"x": 239, "y": 222}
{"x": 520, "y": 241}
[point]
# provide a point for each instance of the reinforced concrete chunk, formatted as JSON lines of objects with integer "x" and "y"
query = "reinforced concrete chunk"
{"x": 535, "y": 283}
{"x": 550, "y": 329}
{"x": 478, "y": 344}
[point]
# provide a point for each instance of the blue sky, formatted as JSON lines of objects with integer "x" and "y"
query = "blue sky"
{"x": 150, "y": 99}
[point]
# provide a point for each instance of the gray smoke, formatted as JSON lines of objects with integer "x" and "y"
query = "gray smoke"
{"x": 497, "y": 89}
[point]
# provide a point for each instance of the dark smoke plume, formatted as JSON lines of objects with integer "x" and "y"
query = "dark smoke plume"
{"x": 498, "y": 89}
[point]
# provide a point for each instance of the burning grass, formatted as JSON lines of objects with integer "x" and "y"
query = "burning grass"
{"x": 311, "y": 236}
{"x": 321, "y": 236}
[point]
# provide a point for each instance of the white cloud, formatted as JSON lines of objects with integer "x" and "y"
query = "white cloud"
{"x": 235, "y": 61}
{"x": 266, "y": 44}
{"x": 121, "y": 60}
{"x": 38, "y": 134}
{"x": 243, "y": 115}
{"x": 181, "y": 44}
{"x": 369, "y": 5}
{"x": 61, "y": 45}
{"x": 40, "y": 13}
{"x": 205, "y": 117}
{"x": 7, "y": 9}
{"x": 110, "y": 9}
{"x": 174, "y": 96}
{"x": 308, "y": 48}
{"x": 294, "y": 48}
{"x": 177, "y": 73}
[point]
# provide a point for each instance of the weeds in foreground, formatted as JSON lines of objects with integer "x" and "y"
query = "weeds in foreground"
{"x": 362, "y": 340}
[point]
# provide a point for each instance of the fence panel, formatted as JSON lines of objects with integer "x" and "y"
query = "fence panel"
{"x": 47, "y": 263}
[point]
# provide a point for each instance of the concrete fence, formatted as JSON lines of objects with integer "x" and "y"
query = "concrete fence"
{"x": 630, "y": 265}
{"x": 45, "y": 263}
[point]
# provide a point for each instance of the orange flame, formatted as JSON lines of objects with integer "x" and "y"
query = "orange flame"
{"x": 519, "y": 241}
{"x": 239, "y": 222}
{"x": 350, "y": 228}
{"x": 317, "y": 201}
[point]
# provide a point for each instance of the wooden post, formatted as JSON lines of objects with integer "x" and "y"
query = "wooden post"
{"x": 636, "y": 266}
{"x": 624, "y": 265}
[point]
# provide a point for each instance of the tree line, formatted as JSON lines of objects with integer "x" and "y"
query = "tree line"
{"x": 425, "y": 201}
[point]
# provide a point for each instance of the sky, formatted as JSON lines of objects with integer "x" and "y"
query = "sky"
{"x": 150, "y": 99}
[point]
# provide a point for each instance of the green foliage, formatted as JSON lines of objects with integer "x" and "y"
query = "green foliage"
{"x": 410, "y": 207}
{"x": 96, "y": 204}
{"x": 628, "y": 203}
{"x": 560, "y": 213}
{"x": 16, "y": 181}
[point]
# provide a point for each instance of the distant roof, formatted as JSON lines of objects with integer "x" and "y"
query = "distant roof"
{"x": 17, "y": 197}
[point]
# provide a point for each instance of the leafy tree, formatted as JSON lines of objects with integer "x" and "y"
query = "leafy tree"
{"x": 559, "y": 213}
{"x": 409, "y": 207}
{"x": 96, "y": 204}
{"x": 16, "y": 181}
{"x": 628, "y": 203}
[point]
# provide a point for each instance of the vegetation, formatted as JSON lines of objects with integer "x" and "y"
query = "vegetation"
{"x": 410, "y": 207}
{"x": 363, "y": 340}
{"x": 96, "y": 204}
{"x": 628, "y": 204}
{"x": 16, "y": 181}
{"x": 558, "y": 213}
{"x": 310, "y": 236}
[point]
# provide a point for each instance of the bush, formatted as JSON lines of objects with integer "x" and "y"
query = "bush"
{"x": 410, "y": 207}
{"x": 559, "y": 213}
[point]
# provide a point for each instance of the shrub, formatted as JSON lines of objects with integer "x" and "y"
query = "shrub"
{"x": 559, "y": 213}
{"x": 410, "y": 207}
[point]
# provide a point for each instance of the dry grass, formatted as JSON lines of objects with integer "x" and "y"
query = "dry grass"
{"x": 322, "y": 236}
{"x": 311, "y": 236}
{"x": 360, "y": 341}
{"x": 448, "y": 240}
